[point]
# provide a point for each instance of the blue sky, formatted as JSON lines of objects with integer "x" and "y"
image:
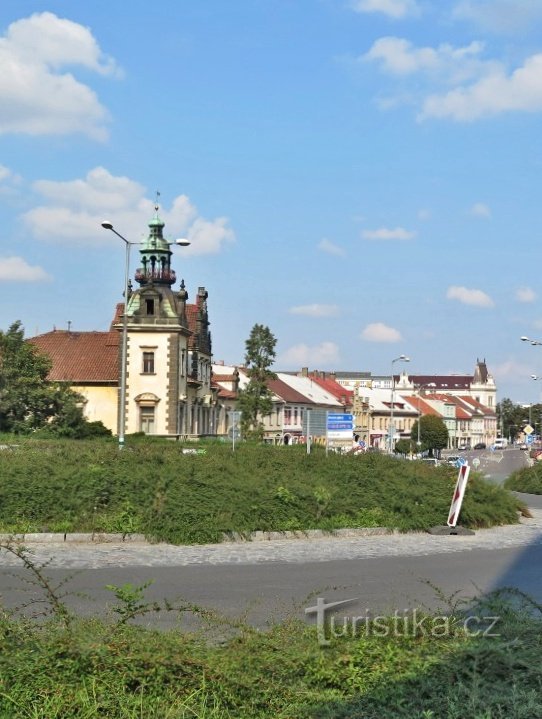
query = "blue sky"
{"x": 362, "y": 176}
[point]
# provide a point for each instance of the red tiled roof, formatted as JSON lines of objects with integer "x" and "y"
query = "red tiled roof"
{"x": 334, "y": 388}
{"x": 224, "y": 377}
{"x": 80, "y": 356}
{"x": 420, "y": 405}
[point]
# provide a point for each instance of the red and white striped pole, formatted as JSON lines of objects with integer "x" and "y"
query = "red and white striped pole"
{"x": 459, "y": 493}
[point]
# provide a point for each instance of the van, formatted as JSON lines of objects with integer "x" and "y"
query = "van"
{"x": 500, "y": 443}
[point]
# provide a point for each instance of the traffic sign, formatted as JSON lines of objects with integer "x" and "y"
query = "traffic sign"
{"x": 339, "y": 425}
{"x": 528, "y": 429}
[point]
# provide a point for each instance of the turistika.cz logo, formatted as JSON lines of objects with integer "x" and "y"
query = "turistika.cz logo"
{"x": 400, "y": 623}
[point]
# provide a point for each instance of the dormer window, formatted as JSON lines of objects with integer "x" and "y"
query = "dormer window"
{"x": 149, "y": 306}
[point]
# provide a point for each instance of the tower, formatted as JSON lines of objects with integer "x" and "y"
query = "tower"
{"x": 158, "y": 336}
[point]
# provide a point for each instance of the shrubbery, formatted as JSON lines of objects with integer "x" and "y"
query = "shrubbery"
{"x": 151, "y": 487}
{"x": 528, "y": 479}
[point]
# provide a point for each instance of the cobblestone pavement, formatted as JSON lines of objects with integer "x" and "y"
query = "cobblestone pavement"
{"x": 322, "y": 549}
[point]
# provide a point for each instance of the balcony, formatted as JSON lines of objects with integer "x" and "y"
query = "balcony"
{"x": 145, "y": 275}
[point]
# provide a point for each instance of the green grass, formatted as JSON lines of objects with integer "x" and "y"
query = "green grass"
{"x": 528, "y": 479}
{"x": 151, "y": 487}
{"x": 93, "y": 669}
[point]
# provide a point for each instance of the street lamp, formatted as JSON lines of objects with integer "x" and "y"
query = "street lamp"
{"x": 107, "y": 225}
{"x": 401, "y": 358}
{"x": 533, "y": 342}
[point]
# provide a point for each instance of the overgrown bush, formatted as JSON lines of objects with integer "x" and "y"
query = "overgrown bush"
{"x": 528, "y": 479}
{"x": 153, "y": 488}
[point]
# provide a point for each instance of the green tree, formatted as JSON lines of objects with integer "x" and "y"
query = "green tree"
{"x": 433, "y": 433}
{"x": 28, "y": 401}
{"x": 255, "y": 399}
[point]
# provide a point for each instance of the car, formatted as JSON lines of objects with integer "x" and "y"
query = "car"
{"x": 452, "y": 459}
{"x": 463, "y": 447}
{"x": 480, "y": 445}
{"x": 523, "y": 445}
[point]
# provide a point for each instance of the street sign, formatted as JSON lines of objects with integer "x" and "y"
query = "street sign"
{"x": 528, "y": 429}
{"x": 529, "y": 439}
{"x": 340, "y": 425}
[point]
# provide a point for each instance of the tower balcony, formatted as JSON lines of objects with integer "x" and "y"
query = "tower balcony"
{"x": 164, "y": 276}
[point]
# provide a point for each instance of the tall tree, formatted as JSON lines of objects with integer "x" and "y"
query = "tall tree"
{"x": 255, "y": 400}
{"x": 433, "y": 433}
{"x": 27, "y": 400}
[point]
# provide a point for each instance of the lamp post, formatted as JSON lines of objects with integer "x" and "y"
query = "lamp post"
{"x": 531, "y": 341}
{"x": 107, "y": 225}
{"x": 401, "y": 358}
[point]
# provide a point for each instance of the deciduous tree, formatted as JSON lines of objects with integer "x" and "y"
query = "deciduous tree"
{"x": 255, "y": 400}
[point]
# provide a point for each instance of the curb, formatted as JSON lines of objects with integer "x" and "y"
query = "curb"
{"x": 233, "y": 538}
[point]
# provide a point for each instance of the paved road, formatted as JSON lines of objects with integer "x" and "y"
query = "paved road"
{"x": 274, "y": 579}
{"x": 495, "y": 465}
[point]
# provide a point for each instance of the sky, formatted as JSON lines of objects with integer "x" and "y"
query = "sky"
{"x": 361, "y": 176}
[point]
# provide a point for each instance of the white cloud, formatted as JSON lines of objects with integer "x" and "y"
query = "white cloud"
{"x": 459, "y": 83}
{"x": 495, "y": 93}
{"x": 479, "y": 209}
{"x": 379, "y": 332}
{"x": 525, "y": 294}
{"x": 500, "y": 16}
{"x": 385, "y": 233}
{"x": 424, "y": 215}
{"x": 315, "y": 310}
{"x": 36, "y": 97}
{"x": 16, "y": 269}
{"x": 396, "y": 9}
{"x": 398, "y": 56}
{"x": 301, "y": 355}
{"x": 510, "y": 369}
{"x": 73, "y": 212}
{"x": 469, "y": 297}
{"x": 331, "y": 248}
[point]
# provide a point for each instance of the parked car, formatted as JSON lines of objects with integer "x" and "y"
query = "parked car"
{"x": 480, "y": 445}
{"x": 452, "y": 459}
{"x": 463, "y": 447}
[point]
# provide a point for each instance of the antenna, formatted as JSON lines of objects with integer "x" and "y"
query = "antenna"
{"x": 69, "y": 325}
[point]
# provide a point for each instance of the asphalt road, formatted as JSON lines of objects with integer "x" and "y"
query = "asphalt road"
{"x": 497, "y": 465}
{"x": 380, "y": 572}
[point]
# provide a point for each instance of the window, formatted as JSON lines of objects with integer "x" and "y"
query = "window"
{"x": 148, "y": 362}
{"x": 287, "y": 415}
{"x": 149, "y": 306}
{"x": 146, "y": 420}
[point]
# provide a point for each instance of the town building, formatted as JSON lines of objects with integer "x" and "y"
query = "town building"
{"x": 168, "y": 358}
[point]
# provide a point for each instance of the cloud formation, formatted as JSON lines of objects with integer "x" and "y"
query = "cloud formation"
{"x": 379, "y": 332}
{"x": 497, "y": 92}
{"x": 36, "y": 97}
{"x": 385, "y": 233}
{"x": 315, "y": 310}
{"x": 476, "y": 298}
{"x": 73, "y": 212}
{"x": 457, "y": 82}
{"x": 16, "y": 269}
{"x": 479, "y": 209}
{"x": 331, "y": 248}
{"x": 525, "y": 294}
{"x": 396, "y": 9}
{"x": 301, "y": 355}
